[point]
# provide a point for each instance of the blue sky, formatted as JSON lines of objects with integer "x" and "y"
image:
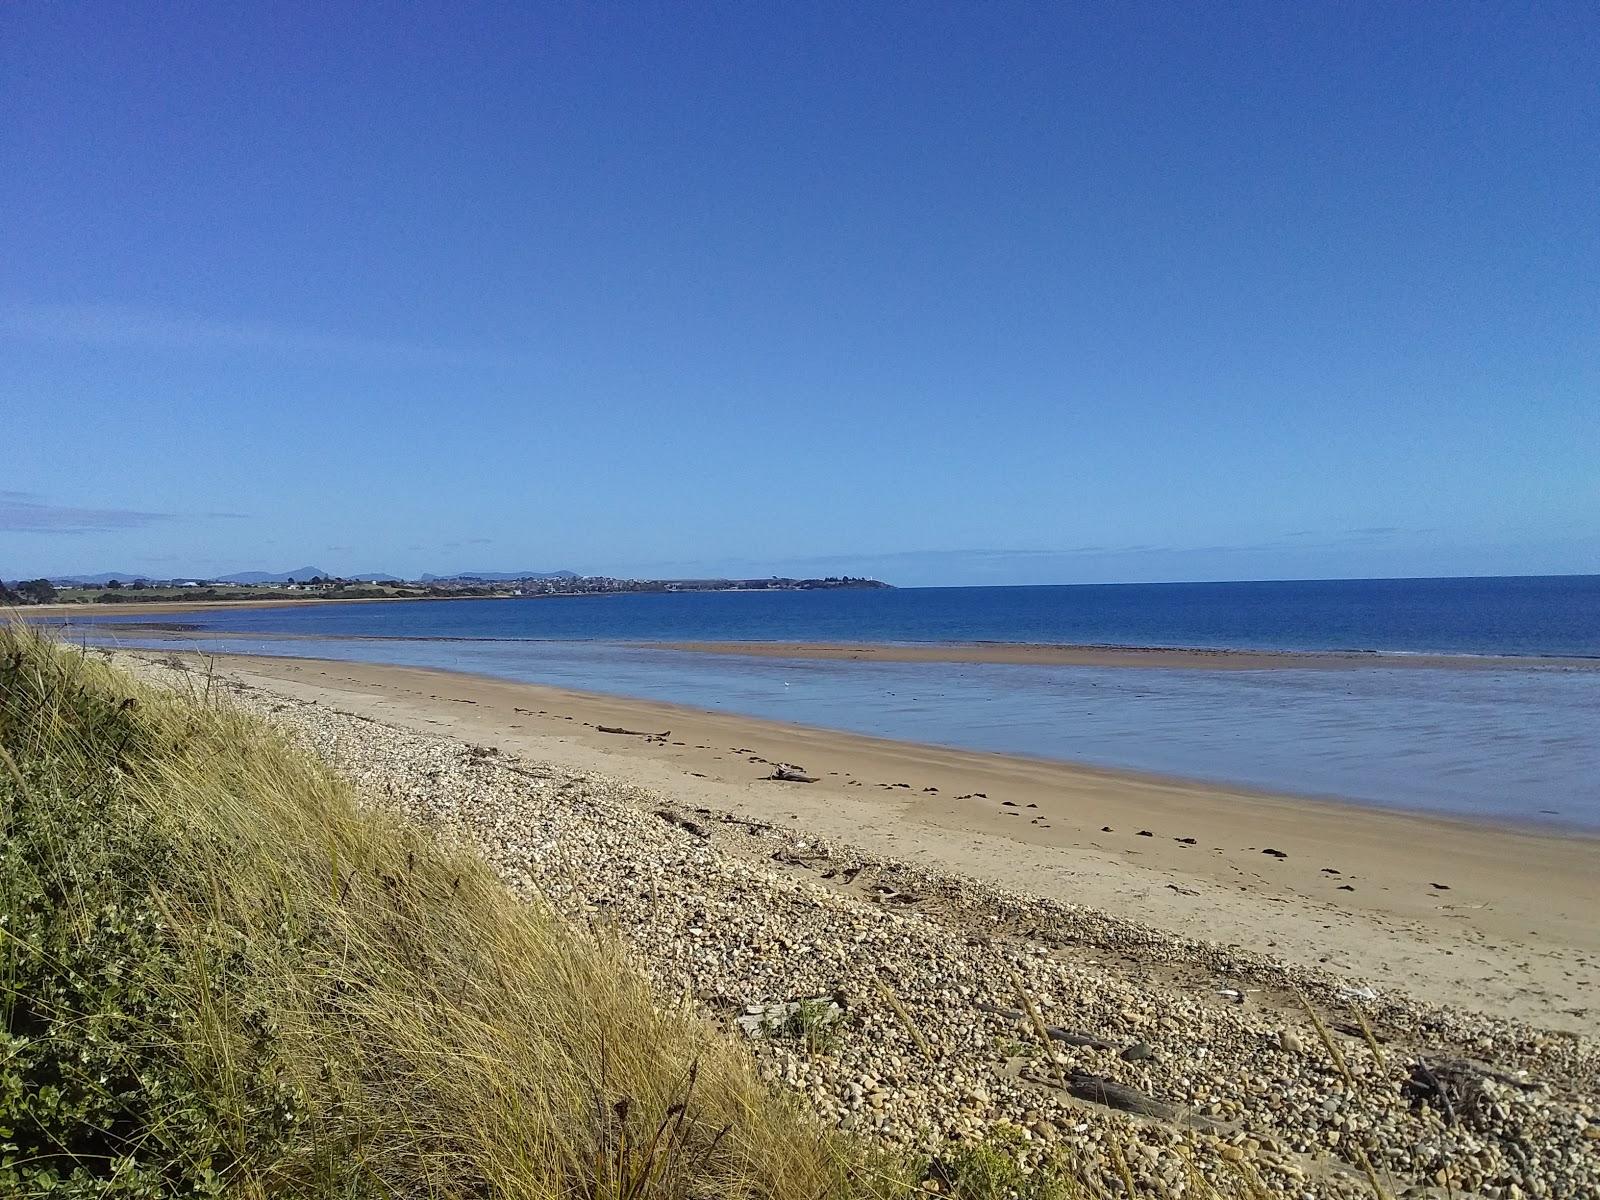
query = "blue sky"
{"x": 946, "y": 293}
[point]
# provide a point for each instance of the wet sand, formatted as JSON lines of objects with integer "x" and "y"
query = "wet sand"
{"x": 1041, "y": 654}
{"x": 1493, "y": 919}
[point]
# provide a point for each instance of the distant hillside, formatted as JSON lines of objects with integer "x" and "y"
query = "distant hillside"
{"x": 498, "y": 576}
{"x": 102, "y": 578}
{"x": 99, "y": 580}
{"x": 302, "y": 574}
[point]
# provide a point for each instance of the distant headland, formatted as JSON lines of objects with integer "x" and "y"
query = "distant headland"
{"x": 312, "y": 584}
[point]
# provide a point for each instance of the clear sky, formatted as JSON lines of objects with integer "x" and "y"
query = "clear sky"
{"x": 977, "y": 293}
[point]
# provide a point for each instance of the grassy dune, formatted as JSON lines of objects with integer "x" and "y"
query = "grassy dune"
{"x": 219, "y": 977}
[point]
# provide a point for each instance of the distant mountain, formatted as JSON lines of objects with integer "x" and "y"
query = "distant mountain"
{"x": 301, "y": 575}
{"x": 99, "y": 580}
{"x": 498, "y": 576}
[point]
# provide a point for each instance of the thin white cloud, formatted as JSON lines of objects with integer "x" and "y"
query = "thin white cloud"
{"x": 27, "y": 512}
{"x": 133, "y": 328}
{"x": 24, "y": 512}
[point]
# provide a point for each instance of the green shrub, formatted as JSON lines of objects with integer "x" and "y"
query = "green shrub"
{"x": 101, "y": 1091}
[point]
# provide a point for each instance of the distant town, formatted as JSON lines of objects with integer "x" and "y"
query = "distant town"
{"x": 313, "y": 584}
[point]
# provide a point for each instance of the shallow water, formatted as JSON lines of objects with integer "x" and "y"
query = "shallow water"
{"x": 1518, "y": 745}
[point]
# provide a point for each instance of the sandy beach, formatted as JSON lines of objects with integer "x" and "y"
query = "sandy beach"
{"x": 1494, "y": 919}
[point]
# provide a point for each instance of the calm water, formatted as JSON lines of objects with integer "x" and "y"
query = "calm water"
{"x": 1556, "y": 615}
{"x": 1519, "y": 744}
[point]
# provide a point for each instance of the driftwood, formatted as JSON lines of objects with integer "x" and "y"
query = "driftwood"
{"x": 787, "y": 774}
{"x": 1071, "y": 1037}
{"x": 1000, "y": 1010}
{"x": 1098, "y": 1090}
{"x": 1456, "y": 1086}
{"x": 1056, "y": 1033}
{"x": 730, "y": 819}
{"x": 1425, "y": 1085}
{"x": 632, "y": 732}
{"x": 790, "y": 858}
{"x": 1470, "y": 1068}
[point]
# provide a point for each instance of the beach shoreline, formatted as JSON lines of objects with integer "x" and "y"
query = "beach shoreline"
{"x": 1452, "y": 910}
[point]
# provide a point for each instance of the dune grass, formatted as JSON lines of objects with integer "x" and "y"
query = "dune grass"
{"x": 219, "y": 977}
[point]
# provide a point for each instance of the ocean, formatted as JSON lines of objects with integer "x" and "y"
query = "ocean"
{"x": 1536, "y": 615}
{"x": 1512, "y": 743}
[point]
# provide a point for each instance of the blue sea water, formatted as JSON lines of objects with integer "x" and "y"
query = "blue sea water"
{"x": 1518, "y": 744}
{"x": 1536, "y": 615}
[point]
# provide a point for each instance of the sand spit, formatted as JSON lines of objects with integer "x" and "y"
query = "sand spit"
{"x": 918, "y": 985}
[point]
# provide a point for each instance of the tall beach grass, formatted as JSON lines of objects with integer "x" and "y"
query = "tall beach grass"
{"x": 218, "y": 976}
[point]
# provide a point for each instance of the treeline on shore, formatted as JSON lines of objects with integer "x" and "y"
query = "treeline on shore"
{"x": 42, "y": 591}
{"x": 140, "y": 591}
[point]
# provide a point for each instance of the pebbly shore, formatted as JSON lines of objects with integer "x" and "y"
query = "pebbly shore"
{"x": 920, "y": 1009}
